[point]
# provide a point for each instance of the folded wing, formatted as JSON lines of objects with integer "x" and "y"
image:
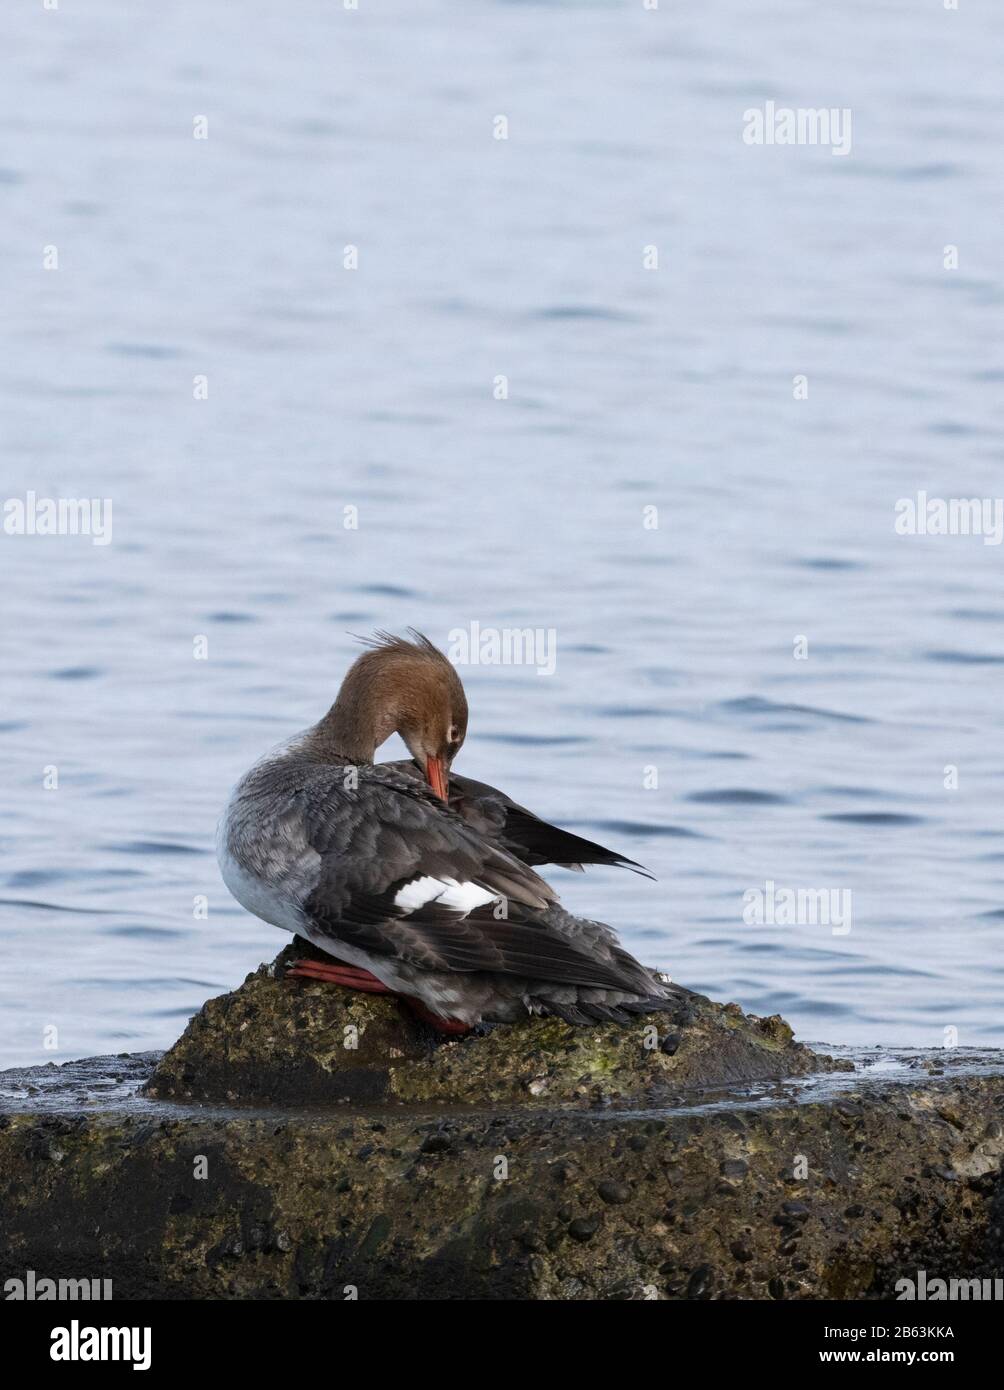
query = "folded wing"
{"x": 403, "y": 876}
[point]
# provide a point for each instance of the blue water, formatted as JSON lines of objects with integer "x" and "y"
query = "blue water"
{"x": 628, "y": 388}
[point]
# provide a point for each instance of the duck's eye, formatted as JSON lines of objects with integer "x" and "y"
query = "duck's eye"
{"x": 453, "y": 735}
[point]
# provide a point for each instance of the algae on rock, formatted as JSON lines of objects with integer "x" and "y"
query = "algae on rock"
{"x": 293, "y": 1041}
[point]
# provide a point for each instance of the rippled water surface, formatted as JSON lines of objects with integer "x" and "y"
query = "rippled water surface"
{"x": 628, "y": 389}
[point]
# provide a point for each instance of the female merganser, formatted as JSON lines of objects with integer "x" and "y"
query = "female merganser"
{"x": 420, "y": 884}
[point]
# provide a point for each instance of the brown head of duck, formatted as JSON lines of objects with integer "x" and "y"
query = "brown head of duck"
{"x": 400, "y": 686}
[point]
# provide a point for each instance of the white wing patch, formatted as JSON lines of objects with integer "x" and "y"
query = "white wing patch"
{"x": 450, "y": 892}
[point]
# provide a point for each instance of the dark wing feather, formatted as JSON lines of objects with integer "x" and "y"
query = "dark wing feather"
{"x": 532, "y": 840}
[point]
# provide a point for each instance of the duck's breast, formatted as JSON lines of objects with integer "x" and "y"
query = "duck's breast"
{"x": 264, "y": 857}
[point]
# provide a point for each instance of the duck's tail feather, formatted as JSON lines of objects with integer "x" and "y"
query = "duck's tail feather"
{"x": 586, "y": 1012}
